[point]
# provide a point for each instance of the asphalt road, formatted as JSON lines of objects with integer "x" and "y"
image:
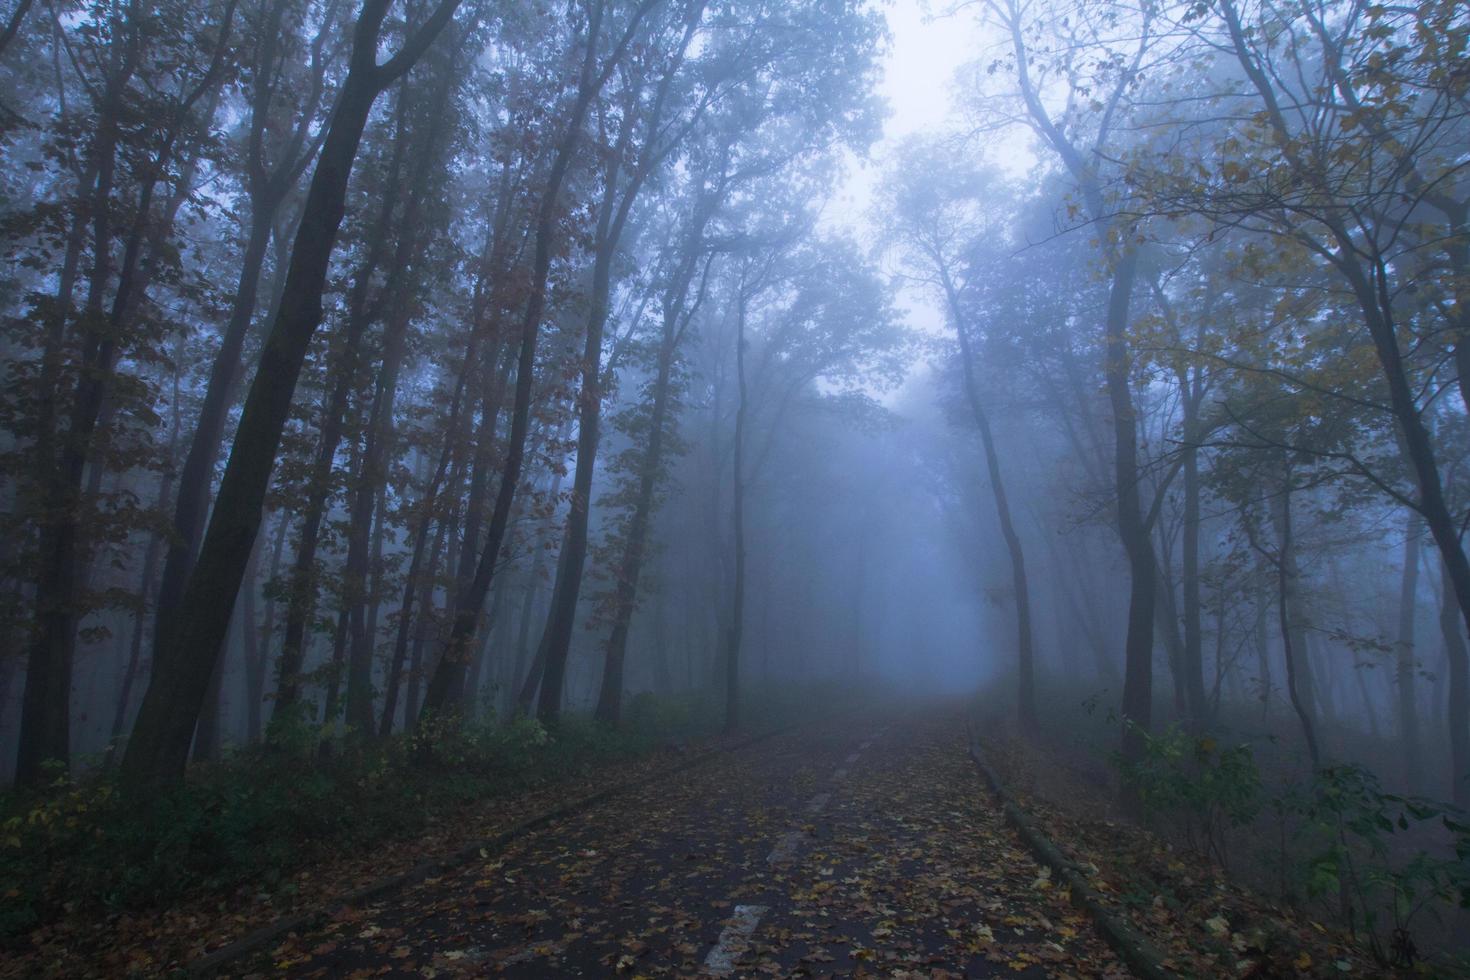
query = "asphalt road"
{"x": 864, "y": 846}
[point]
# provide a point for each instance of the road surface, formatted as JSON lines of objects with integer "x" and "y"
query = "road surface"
{"x": 862, "y": 846}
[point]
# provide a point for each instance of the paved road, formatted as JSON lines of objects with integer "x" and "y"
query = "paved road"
{"x": 858, "y": 847}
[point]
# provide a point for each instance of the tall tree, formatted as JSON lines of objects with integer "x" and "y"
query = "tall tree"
{"x": 159, "y": 747}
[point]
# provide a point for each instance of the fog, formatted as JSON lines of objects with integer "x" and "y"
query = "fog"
{"x": 1101, "y": 366}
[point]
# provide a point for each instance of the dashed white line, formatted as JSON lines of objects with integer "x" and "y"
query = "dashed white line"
{"x": 818, "y": 803}
{"x": 854, "y": 757}
{"x": 785, "y": 849}
{"x": 734, "y": 940}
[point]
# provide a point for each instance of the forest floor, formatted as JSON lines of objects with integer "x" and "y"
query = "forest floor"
{"x": 1203, "y": 924}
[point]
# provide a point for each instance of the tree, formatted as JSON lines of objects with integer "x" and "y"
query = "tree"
{"x": 445, "y": 688}
{"x": 1083, "y": 146}
{"x": 186, "y": 103}
{"x": 930, "y": 209}
{"x": 159, "y": 747}
{"x": 276, "y": 154}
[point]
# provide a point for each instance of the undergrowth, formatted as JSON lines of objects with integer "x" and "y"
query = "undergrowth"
{"x": 87, "y": 845}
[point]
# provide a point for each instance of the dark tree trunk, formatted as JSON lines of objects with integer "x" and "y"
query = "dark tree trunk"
{"x": 525, "y": 683}
{"x": 1166, "y": 621}
{"x": 360, "y": 592}
{"x": 447, "y": 684}
{"x": 613, "y": 219}
{"x": 417, "y": 586}
{"x": 45, "y": 725}
{"x": 159, "y": 748}
{"x": 378, "y": 452}
{"x": 206, "y": 732}
{"x": 1138, "y": 647}
{"x": 333, "y": 701}
{"x": 488, "y": 630}
{"x": 257, "y": 659}
{"x": 610, "y": 696}
{"x": 151, "y": 557}
{"x": 198, "y": 470}
{"x": 561, "y": 617}
{"x": 267, "y": 189}
{"x": 12, "y": 26}
{"x": 302, "y": 591}
{"x": 448, "y": 532}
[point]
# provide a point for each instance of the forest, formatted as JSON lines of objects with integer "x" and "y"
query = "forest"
{"x": 565, "y": 429}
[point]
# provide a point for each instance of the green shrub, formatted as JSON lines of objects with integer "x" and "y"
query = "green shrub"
{"x": 1207, "y": 790}
{"x": 264, "y": 812}
{"x": 1360, "y": 848}
{"x": 659, "y": 717}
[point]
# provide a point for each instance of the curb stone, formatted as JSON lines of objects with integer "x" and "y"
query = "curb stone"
{"x": 268, "y": 935}
{"x": 1131, "y": 946}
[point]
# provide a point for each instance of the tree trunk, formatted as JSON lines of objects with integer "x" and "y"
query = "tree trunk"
{"x": 302, "y": 590}
{"x": 1138, "y": 647}
{"x": 561, "y": 617}
{"x": 255, "y": 665}
{"x": 446, "y": 685}
{"x": 1458, "y": 696}
{"x": 1290, "y": 646}
{"x": 417, "y": 585}
{"x": 378, "y": 453}
{"x": 1025, "y": 654}
{"x": 612, "y": 220}
{"x": 151, "y": 556}
{"x": 1263, "y": 651}
{"x": 737, "y": 518}
{"x": 1166, "y": 620}
{"x": 198, "y": 470}
{"x": 332, "y": 702}
{"x": 526, "y": 682}
{"x": 610, "y": 696}
{"x": 267, "y": 189}
{"x": 159, "y": 748}
{"x": 1192, "y": 655}
{"x": 1405, "y": 663}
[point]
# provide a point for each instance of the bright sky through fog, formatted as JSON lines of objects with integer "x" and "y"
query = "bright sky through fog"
{"x": 918, "y": 84}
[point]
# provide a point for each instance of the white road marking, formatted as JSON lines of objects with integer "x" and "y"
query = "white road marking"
{"x": 734, "y": 940}
{"x": 840, "y": 773}
{"x": 854, "y": 757}
{"x": 785, "y": 849}
{"x": 818, "y": 802}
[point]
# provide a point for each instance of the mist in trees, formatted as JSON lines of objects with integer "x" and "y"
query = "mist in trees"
{"x": 377, "y": 369}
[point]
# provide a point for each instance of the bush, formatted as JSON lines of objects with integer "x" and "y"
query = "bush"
{"x": 1207, "y": 790}
{"x": 264, "y": 812}
{"x": 1361, "y": 849}
{"x": 659, "y": 717}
